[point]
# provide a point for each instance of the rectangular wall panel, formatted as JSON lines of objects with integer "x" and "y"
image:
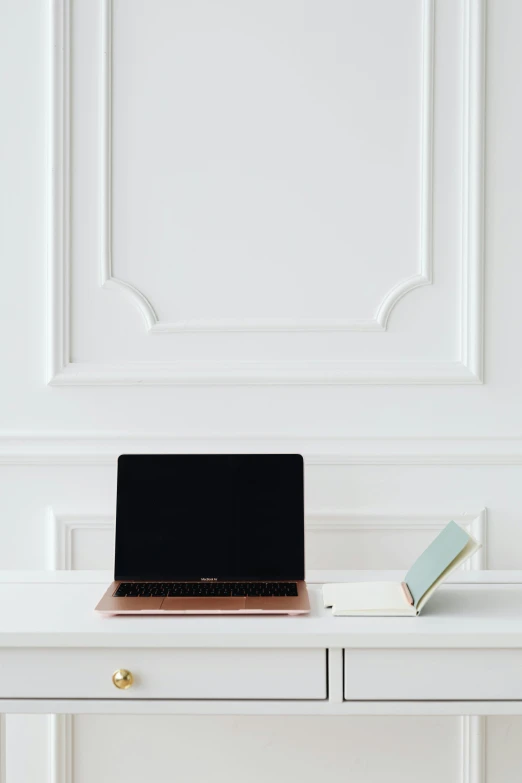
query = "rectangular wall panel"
{"x": 273, "y": 246}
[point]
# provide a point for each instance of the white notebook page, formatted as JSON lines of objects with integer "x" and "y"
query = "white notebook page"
{"x": 366, "y": 597}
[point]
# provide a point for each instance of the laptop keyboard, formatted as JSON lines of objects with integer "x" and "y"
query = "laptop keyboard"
{"x": 204, "y": 589}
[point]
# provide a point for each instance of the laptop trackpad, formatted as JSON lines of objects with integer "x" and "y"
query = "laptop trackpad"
{"x": 203, "y": 605}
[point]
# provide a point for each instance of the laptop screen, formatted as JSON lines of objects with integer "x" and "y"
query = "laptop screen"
{"x": 215, "y": 516}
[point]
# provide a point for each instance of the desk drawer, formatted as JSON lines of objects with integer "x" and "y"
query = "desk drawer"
{"x": 163, "y": 673}
{"x": 402, "y": 675}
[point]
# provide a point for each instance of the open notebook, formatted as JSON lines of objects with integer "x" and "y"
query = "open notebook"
{"x": 396, "y": 599}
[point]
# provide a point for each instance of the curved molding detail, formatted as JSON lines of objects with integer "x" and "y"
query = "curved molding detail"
{"x": 106, "y": 278}
{"x": 424, "y": 276}
{"x": 378, "y": 322}
{"x": 136, "y": 297}
{"x": 397, "y": 292}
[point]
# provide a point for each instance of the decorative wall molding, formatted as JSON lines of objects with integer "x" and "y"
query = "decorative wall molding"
{"x": 324, "y": 520}
{"x": 103, "y": 448}
{"x": 262, "y": 373}
{"x": 473, "y": 124}
{"x": 61, "y": 530}
{"x": 58, "y": 195}
{"x": 379, "y": 321}
{"x": 466, "y": 369}
{"x": 61, "y": 527}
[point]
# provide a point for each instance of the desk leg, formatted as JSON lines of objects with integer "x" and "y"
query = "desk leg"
{"x": 60, "y": 748}
{"x": 473, "y": 749}
{"x": 39, "y": 748}
{"x": 2, "y": 748}
{"x": 335, "y": 670}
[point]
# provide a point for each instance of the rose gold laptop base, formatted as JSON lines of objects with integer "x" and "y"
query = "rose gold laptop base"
{"x": 300, "y": 604}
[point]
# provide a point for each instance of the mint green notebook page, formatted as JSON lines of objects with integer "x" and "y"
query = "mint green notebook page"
{"x": 435, "y": 559}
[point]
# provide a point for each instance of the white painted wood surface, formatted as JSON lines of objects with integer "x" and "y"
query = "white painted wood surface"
{"x": 467, "y": 646}
{"x": 316, "y": 707}
{"x": 86, "y": 673}
{"x": 62, "y": 576}
{"x": 41, "y": 614}
{"x": 433, "y": 674}
{"x": 388, "y": 460}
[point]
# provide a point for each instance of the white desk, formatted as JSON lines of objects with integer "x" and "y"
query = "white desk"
{"x": 463, "y": 656}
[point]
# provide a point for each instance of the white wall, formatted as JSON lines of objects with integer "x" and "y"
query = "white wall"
{"x": 259, "y": 225}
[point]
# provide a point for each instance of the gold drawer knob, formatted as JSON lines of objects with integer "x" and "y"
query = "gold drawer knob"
{"x": 123, "y": 679}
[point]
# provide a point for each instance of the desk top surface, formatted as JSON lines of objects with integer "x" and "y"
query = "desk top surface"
{"x": 56, "y": 609}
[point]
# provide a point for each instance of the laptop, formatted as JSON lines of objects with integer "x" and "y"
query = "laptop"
{"x": 209, "y": 534}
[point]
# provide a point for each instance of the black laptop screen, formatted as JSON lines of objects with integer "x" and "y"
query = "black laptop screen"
{"x": 196, "y": 517}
